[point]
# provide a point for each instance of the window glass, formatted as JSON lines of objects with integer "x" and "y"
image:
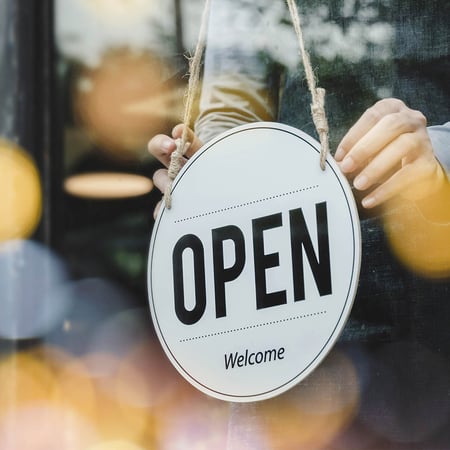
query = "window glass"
{"x": 80, "y": 364}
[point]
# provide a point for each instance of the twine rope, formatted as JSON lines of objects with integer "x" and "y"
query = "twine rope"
{"x": 317, "y": 93}
{"x": 176, "y": 158}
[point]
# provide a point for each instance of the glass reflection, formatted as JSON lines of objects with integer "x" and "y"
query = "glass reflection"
{"x": 104, "y": 98}
{"x": 80, "y": 367}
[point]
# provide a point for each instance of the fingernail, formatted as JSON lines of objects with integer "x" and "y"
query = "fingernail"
{"x": 339, "y": 155}
{"x": 167, "y": 144}
{"x": 368, "y": 202}
{"x": 361, "y": 182}
{"x": 347, "y": 165}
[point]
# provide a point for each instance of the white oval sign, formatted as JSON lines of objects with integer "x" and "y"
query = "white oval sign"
{"x": 253, "y": 271}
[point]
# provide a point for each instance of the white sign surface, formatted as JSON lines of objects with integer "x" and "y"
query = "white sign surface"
{"x": 253, "y": 271}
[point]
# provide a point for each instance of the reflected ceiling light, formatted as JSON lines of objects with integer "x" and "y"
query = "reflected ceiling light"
{"x": 20, "y": 187}
{"x": 104, "y": 185}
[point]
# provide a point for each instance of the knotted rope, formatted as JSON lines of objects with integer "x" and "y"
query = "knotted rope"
{"x": 317, "y": 94}
{"x": 194, "y": 78}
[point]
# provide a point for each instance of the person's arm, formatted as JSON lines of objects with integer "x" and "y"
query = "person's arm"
{"x": 235, "y": 85}
{"x": 437, "y": 207}
{"x": 239, "y": 85}
{"x": 237, "y": 80}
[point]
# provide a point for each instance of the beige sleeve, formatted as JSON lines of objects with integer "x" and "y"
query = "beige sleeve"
{"x": 232, "y": 100}
{"x": 238, "y": 82}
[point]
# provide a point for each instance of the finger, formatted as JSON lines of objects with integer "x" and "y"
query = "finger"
{"x": 161, "y": 179}
{"x": 389, "y": 128}
{"x": 382, "y": 165}
{"x": 161, "y": 147}
{"x": 195, "y": 142}
{"x": 399, "y": 184}
{"x": 365, "y": 123}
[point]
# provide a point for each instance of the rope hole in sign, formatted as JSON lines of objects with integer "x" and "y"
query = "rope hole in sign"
{"x": 317, "y": 95}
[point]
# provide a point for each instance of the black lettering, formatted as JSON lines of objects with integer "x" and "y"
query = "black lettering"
{"x": 259, "y": 357}
{"x": 230, "y": 361}
{"x": 224, "y": 274}
{"x": 237, "y": 360}
{"x": 186, "y": 316}
{"x": 268, "y": 355}
{"x": 300, "y": 238}
{"x": 263, "y": 262}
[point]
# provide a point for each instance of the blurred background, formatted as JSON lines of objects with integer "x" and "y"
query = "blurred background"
{"x": 84, "y": 84}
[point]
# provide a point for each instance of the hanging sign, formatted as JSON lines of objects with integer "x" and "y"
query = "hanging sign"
{"x": 253, "y": 271}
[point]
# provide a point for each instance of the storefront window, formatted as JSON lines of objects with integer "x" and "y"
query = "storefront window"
{"x": 84, "y": 85}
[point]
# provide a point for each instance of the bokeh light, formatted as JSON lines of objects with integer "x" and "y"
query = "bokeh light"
{"x": 29, "y": 419}
{"x": 145, "y": 378}
{"x": 93, "y": 301}
{"x": 104, "y": 98}
{"x": 139, "y": 363}
{"x": 247, "y": 427}
{"x": 23, "y": 380}
{"x": 134, "y": 399}
{"x": 75, "y": 389}
{"x": 103, "y": 185}
{"x": 120, "y": 333}
{"x": 116, "y": 420}
{"x": 44, "y": 427}
{"x": 193, "y": 421}
{"x": 31, "y": 277}
{"x": 421, "y": 242}
{"x": 20, "y": 187}
{"x": 313, "y": 413}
